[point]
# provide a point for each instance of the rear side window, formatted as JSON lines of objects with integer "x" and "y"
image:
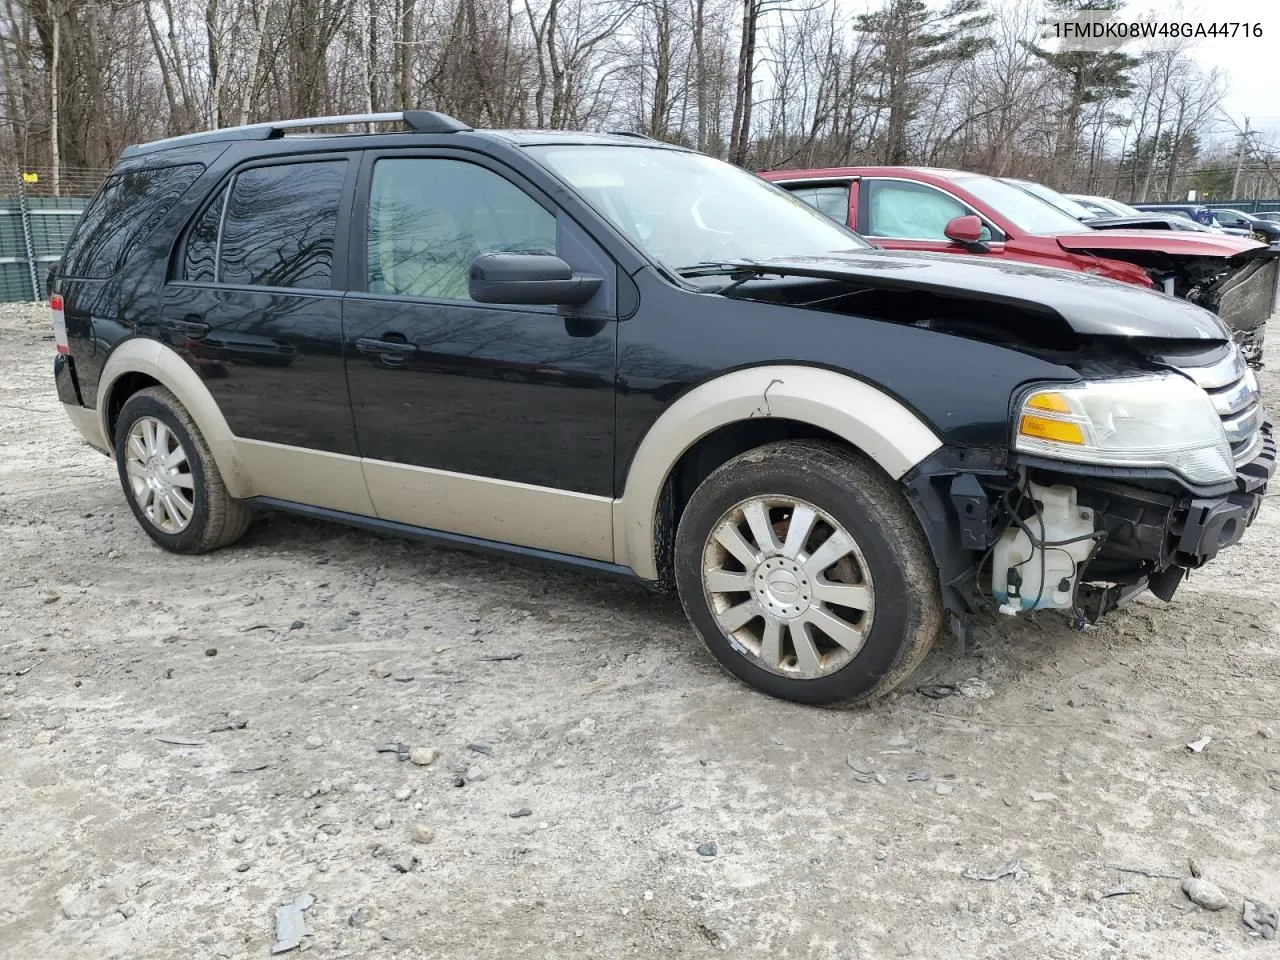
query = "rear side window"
{"x": 200, "y": 260}
{"x": 122, "y": 215}
{"x": 279, "y": 226}
{"x": 831, "y": 199}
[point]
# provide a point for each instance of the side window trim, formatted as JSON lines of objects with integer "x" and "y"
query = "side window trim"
{"x": 222, "y": 220}
{"x": 864, "y": 209}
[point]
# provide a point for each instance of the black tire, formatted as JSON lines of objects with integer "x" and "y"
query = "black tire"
{"x": 217, "y": 520}
{"x": 856, "y": 494}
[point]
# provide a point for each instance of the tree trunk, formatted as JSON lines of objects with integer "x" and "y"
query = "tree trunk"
{"x": 740, "y": 135}
{"x": 255, "y": 54}
{"x": 371, "y": 50}
{"x": 214, "y": 118}
{"x": 55, "y": 155}
{"x": 166, "y": 77}
{"x": 700, "y": 70}
{"x": 404, "y": 84}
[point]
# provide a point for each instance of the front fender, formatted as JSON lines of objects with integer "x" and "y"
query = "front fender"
{"x": 863, "y": 415}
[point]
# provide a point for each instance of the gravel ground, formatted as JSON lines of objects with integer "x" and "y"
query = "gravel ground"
{"x": 581, "y": 788}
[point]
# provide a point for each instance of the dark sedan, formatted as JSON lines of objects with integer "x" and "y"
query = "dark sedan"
{"x": 1265, "y": 231}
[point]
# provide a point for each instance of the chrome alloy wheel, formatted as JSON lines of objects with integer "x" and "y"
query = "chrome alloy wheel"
{"x": 160, "y": 475}
{"x": 788, "y": 586}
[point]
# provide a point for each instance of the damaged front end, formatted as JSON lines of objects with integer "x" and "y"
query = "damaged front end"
{"x": 1242, "y": 289}
{"x": 1244, "y": 296}
{"x": 1027, "y": 531}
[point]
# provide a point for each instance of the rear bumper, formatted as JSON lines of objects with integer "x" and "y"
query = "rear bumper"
{"x": 84, "y": 419}
{"x": 90, "y": 427}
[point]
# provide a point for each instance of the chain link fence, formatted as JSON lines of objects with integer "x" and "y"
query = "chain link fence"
{"x": 37, "y": 215}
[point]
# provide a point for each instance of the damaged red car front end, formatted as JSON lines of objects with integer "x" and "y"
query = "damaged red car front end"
{"x": 914, "y": 208}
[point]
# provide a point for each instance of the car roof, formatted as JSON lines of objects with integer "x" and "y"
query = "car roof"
{"x": 835, "y": 173}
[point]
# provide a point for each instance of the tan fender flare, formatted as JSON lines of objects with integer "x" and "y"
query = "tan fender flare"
{"x": 868, "y": 418}
{"x": 150, "y": 357}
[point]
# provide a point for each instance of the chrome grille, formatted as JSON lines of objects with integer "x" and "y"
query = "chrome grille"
{"x": 1233, "y": 389}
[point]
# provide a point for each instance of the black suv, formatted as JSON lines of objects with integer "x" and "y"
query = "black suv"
{"x": 629, "y": 357}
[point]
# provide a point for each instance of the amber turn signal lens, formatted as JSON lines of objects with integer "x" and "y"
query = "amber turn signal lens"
{"x": 1044, "y": 428}
{"x": 1050, "y": 400}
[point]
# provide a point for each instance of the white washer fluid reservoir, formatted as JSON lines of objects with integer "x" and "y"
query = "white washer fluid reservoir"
{"x": 1060, "y": 518}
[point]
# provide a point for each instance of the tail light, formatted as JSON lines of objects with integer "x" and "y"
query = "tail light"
{"x": 59, "y": 324}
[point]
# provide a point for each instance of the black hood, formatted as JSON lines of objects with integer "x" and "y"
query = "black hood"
{"x": 1089, "y": 305}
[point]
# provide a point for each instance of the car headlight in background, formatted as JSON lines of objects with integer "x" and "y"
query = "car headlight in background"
{"x": 1155, "y": 421}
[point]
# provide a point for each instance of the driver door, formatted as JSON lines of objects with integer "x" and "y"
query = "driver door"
{"x": 489, "y": 420}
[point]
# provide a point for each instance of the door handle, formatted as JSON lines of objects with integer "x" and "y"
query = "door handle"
{"x": 396, "y": 347}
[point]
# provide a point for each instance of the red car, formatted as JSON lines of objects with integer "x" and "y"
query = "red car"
{"x": 923, "y": 208}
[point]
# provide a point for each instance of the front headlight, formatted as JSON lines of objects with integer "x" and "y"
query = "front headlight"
{"x": 1156, "y": 421}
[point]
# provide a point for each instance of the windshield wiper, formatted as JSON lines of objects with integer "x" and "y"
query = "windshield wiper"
{"x": 711, "y": 268}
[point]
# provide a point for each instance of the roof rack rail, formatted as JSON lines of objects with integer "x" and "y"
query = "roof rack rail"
{"x": 420, "y": 121}
{"x": 630, "y": 133}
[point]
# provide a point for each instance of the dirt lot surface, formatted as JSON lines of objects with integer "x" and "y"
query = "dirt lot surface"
{"x": 576, "y": 783}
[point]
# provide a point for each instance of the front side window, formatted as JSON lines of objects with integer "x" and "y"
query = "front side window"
{"x": 280, "y": 224}
{"x": 430, "y": 217}
{"x": 909, "y": 211}
{"x": 831, "y": 199}
{"x": 684, "y": 209}
{"x": 122, "y": 215}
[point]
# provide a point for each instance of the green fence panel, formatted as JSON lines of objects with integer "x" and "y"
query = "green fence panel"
{"x": 47, "y": 222}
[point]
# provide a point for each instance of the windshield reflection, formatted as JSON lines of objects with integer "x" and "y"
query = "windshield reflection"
{"x": 685, "y": 209}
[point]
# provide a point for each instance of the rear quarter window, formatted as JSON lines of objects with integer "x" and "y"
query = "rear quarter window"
{"x": 122, "y": 215}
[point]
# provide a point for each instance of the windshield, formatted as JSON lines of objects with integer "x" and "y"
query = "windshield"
{"x": 685, "y": 209}
{"x": 1123, "y": 209}
{"x": 1028, "y": 213}
{"x": 1061, "y": 201}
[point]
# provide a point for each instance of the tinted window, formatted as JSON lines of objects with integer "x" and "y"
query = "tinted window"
{"x": 199, "y": 258}
{"x": 122, "y": 215}
{"x": 910, "y": 211}
{"x": 833, "y": 200}
{"x": 280, "y": 225}
{"x": 429, "y": 218}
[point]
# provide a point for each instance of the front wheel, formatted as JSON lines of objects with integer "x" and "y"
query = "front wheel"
{"x": 805, "y": 573}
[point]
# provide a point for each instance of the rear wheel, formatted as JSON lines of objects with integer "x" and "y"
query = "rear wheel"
{"x": 170, "y": 479}
{"x": 805, "y": 573}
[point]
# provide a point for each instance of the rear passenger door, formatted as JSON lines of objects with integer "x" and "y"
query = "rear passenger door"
{"x": 256, "y": 308}
{"x": 489, "y": 420}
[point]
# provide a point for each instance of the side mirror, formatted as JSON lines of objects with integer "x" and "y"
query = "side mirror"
{"x": 535, "y": 279}
{"x": 966, "y": 230}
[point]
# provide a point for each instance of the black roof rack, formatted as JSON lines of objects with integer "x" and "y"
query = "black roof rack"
{"x": 419, "y": 121}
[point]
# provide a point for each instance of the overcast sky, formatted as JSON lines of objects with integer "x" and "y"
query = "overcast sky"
{"x": 1251, "y": 64}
